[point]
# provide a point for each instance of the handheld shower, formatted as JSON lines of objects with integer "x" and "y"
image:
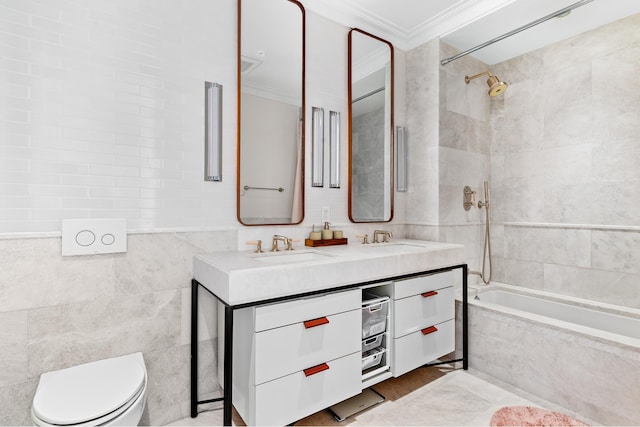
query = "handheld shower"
{"x": 487, "y": 236}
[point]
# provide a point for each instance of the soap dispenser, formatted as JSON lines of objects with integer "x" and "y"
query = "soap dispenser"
{"x": 327, "y": 234}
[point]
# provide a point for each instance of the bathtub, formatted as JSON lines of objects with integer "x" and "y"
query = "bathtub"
{"x": 580, "y": 355}
{"x": 620, "y": 321}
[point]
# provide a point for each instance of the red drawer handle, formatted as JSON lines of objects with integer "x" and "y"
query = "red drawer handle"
{"x": 316, "y": 322}
{"x": 429, "y": 330}
{"x": 430, "y": 294}
{"x": 315, "y": 369}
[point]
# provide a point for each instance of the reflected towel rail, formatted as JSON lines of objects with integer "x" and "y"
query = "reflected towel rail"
{"x": 366, "y": 95}
{"x": 280, "y": 189}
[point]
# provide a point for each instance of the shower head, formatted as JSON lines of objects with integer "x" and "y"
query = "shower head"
{"x": 496, "y": 87}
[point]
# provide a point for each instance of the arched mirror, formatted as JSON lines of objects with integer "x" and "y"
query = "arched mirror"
{"x": 370, "y": 128}
{"x": 270, "y": 174}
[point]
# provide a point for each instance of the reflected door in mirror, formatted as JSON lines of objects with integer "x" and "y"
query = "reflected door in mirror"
{"x": 270, "y": 112}
{"x": 370, "y": 128}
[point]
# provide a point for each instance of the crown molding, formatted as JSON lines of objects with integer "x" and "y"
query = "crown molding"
{"x": 452, "y": 19}
{"x": 350, "y": 16}
{"x": 459, "y": 14}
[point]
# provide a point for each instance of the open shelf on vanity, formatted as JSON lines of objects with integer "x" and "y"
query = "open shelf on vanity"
{"x": 376, "y": 339}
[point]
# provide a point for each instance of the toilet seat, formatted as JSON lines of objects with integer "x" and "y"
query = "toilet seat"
{"x": 92, "y": 393}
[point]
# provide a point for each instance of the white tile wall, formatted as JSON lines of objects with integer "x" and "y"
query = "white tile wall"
{"x": 103, "y": 111}
{"x": 422, "y": 133}
{"x": 600, "y": 285}
{"x": 565, "y": 153}
{"x": 103, "y": 116}
{"x": 463, "y": 155}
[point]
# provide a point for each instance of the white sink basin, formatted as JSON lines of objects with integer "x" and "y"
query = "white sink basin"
{"x": 291, "y": 257}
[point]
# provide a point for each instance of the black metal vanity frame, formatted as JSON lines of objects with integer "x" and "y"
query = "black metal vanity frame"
{"x": 228, "y": 334}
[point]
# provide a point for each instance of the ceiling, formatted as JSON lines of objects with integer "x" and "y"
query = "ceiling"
{"x": 468, "y": 23}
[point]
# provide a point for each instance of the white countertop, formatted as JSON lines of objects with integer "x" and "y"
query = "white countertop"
{"x": 240, "y": 277}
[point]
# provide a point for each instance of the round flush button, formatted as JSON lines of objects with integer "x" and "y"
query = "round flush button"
{"x": 108, "y": 239}
{"x": 85, "y": 238}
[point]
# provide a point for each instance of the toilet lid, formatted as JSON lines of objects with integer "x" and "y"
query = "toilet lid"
{"x": 89, "y": 391}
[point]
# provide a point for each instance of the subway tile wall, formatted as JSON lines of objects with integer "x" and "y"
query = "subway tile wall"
{"x": 101, "y": 115}
{"x": 102, "y": 112}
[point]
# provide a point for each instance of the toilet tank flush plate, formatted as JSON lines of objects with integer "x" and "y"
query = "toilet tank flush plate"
{"x": 94, "y": 236}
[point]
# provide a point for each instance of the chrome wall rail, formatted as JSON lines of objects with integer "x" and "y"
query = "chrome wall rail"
{"x": 280, "y": 189}
{"x": 556, "y": 14}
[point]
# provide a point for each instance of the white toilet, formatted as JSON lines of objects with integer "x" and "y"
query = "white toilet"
{"x": 107, "y": 392}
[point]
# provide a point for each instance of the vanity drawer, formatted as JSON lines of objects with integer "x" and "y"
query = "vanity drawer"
{"x": 286, "y": 313}
{"x": 421, "y": 347}
{"x": 295, "y": 347}
{"x": 422, "y": 284}
{"x": 290, "y": 398}
{"x": 428, "y": 308}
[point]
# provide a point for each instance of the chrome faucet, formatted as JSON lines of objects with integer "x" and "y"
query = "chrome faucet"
{"x": 287, "y": 241}
{"x": 385, "y": 236}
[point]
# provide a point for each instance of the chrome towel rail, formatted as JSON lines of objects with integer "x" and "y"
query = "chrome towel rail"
{"x": 280, "y": 189}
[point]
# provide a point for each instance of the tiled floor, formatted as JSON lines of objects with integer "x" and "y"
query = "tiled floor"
{"x": 425, "y": 397}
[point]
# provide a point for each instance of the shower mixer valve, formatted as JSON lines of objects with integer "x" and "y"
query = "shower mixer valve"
{"x": 468, "y": 198}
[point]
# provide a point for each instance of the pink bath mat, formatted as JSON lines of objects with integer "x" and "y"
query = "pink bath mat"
{"x": 529, "y": 416}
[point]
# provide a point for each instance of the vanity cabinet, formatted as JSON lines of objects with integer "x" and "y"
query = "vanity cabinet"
{"x": 297, "y": 357}
{"x": 294, "y": 358}
{"x": 295, "y": 340}
{"x": 424, "y": 320}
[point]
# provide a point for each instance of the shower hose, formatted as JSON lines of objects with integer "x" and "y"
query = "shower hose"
{"x": 487, "y": 245}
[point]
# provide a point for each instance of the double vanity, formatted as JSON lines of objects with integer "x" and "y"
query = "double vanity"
{"x": 308, "y": 328}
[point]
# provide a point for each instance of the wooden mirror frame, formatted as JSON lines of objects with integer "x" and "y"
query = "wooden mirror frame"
{"x": 350, "y": 123}
{"x": 239, "y": 114}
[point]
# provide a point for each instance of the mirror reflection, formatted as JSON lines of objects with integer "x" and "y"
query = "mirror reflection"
{"x": 270, "y": 112}
{"x": 370, "y": 128}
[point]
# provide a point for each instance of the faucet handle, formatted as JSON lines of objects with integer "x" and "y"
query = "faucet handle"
{"x": 290, "y": 243}
{"x": 364, "y": 237}
{"x": 258, "y": 244}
